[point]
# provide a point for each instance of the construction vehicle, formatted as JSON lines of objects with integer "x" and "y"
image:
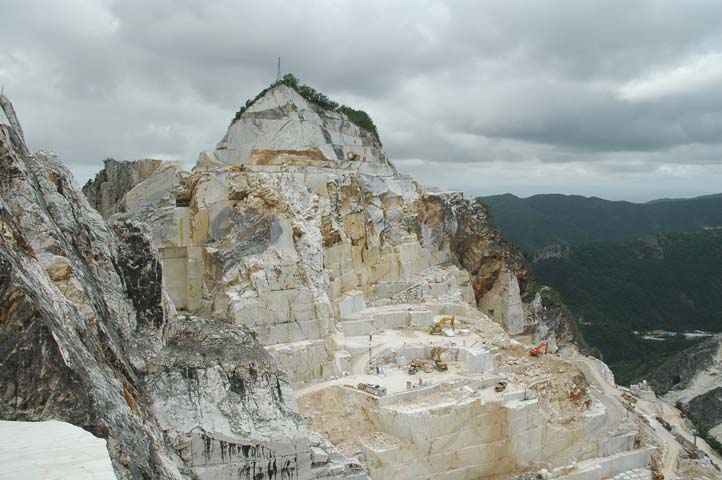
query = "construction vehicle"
{"x": 439, "y": 364}
{"x": 536, "y": 351}
{"x": 501, "y": 386}
{"x": 668, "y": 426}
{"x": 656, "y": 470}
{"x": 438, "y": 328}
{"x": 420, "y": 364}
{"x": 376, "y": 390}
{"x": 691, "y": 454}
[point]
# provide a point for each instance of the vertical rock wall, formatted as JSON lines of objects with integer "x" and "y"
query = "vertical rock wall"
{"x": 107, "y": 190}
{"x": 163, "y": 329}
{"x": 89, "y": 335}
{"x": 66, "y": 321}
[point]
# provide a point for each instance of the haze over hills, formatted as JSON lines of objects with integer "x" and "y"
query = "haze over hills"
{"x": 541, "y": 220}
{"x": 624, "y": 267}
{"x": 701, "y": 197}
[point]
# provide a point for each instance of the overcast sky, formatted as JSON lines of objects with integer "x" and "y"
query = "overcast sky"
{"x": 616, "y": 99}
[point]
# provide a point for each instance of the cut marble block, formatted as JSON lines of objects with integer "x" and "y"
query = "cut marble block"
{"x": 52, "y": 450}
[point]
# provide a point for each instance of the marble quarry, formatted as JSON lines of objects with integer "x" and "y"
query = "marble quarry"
{"x": 293, "y": 307}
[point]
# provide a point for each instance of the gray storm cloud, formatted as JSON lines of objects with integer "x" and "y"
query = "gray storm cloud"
{"x": 609, "y": 98}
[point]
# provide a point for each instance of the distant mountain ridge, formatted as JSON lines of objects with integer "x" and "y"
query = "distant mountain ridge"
{"x": 701, "y": 197}
{"x": 541, "y": 220}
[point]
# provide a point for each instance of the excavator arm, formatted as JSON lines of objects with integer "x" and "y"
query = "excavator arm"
{"x": 536, "y": 351}
{"x": 438, "y": 328}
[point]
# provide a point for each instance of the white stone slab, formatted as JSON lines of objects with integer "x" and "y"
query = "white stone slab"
{"x": 52, "y": 450}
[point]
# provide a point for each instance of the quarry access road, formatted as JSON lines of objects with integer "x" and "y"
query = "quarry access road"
{"x": 672, "y": 415}
{"x": 673, "y": 449}
{"x": 611, "y": 398}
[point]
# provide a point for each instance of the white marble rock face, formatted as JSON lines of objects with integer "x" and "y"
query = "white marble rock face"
{"x": 283, "y": 121}
{"x": 276, "y": 264}
{"x": 92, "y": 337}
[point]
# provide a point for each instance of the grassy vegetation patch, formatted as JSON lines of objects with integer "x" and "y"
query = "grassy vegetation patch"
{"x": 357, "y": 117}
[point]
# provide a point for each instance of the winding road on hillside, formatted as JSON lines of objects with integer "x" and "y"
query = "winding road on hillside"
{"x": 672, "y": 448}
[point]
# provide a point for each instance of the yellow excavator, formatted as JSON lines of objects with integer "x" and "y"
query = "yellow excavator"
{"x": 420, "y": 364}
{"x": 439, "y": 364}
{"x": 438, "y": 329}
{"x": 656, "y": 470}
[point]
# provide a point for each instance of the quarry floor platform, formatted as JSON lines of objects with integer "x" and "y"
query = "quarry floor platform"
{"x": 394, "y": 378}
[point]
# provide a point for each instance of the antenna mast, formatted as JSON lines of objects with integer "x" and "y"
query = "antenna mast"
{"x": 278, "y": 76}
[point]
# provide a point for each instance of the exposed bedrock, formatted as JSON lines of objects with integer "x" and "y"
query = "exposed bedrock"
{"x": 499, "y": 271}
{"x": 107, "y": 191}
{"x": 293, "y": 270}
{"x": 283, "y": 127}
{"x": 66, "y": 321}
{"x": 706, "y": 408}
{"x": 680, "y": 370}
{"x": 89, "y": 335}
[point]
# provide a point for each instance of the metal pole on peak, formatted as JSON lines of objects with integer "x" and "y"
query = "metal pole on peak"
{"x": 278, "y": 75}
{"x": 6, "y": 107}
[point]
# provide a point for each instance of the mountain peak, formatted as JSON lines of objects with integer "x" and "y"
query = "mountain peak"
{"x": 288, "y": 124}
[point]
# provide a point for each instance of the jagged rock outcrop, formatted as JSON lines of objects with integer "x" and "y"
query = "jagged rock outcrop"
{"x": 680, "y": 370}
{"x": 106, "y": 192}
{"x": 66, "y": 319}
{"x": 545, "y": 312}
{"x": 283, "y": 127}
{"x": 88, "y": 336}
{"x": 16, "y": 130}
{"x": 499, "y": 271}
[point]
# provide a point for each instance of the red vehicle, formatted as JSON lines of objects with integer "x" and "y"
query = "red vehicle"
{"x": 536, "y": 351}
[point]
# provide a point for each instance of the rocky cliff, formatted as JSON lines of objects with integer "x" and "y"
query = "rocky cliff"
{"x": 107, "y": 191}
{"x": 67, "y": 323}
{"x": 678, "y": 372}
{"x": 292, "y": 281}
{"x": 88, "y": 335}
{"x": 691, "y": 378}
{"x": 296, "y": 212}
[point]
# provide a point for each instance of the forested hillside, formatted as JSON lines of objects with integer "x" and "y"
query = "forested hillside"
{"x": 667, "y": 281}
{"x": 541, "y": 220}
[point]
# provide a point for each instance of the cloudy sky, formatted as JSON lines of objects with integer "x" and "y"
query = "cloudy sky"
{"x": 616, "y": 99}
